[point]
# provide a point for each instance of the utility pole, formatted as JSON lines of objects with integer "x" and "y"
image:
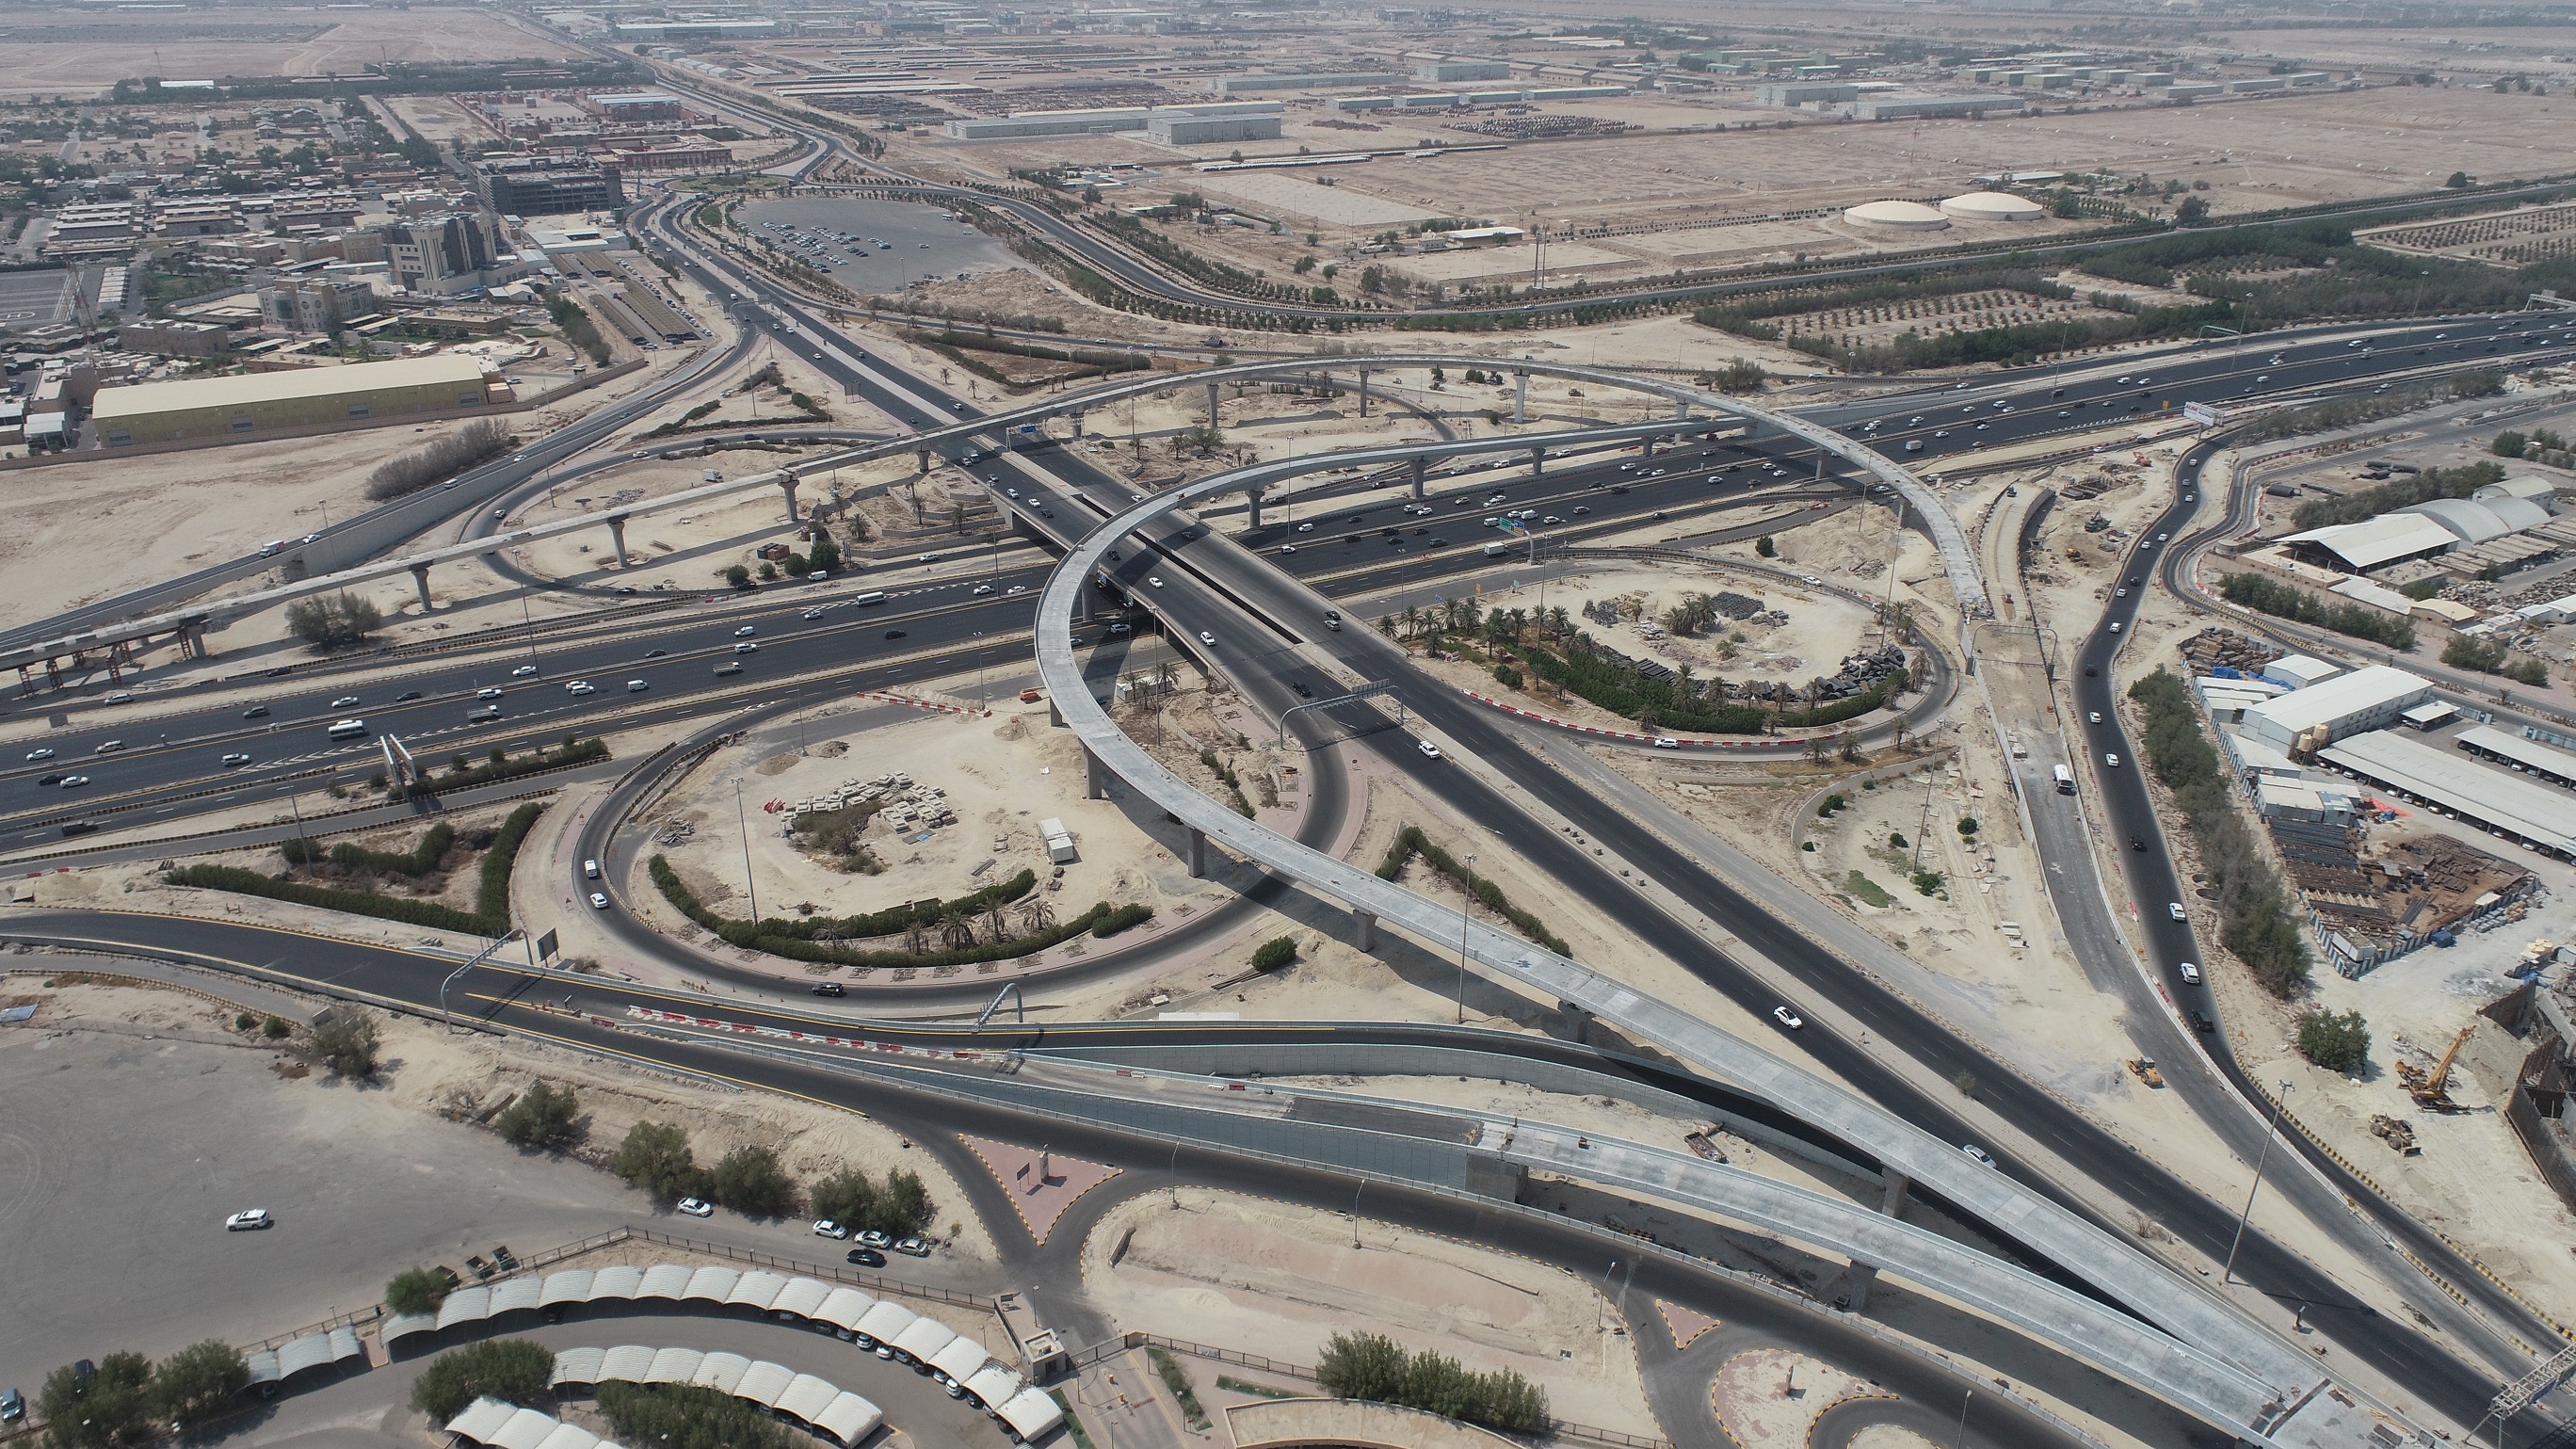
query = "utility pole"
{"x": 2278, "y": 1103}
{"x": 1462, "y": 939}
{"x": 750, "y": 887}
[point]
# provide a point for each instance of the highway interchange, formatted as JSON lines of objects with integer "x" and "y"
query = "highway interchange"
{"x": 1261, "y": 611}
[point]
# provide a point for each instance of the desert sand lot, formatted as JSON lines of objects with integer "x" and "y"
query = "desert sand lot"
{"x": 78, "y": 52}
{"x": 2258, "y": 154}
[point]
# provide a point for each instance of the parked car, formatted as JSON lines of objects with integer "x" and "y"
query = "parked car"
{"x": 249, "y": 1220}
{"x": 696, "y": 1207}
{"x": 865, "y": 1258}
{"x": 913, "y": 1246}
{"x": 826, "y": 1228}
{"x": 876, "y": 1238}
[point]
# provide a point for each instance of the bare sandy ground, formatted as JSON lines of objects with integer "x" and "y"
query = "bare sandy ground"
{"x": 1278, "y": 1280}
{"x": 98, "y": 50}
{"x": 465, "y": 1077}
{"x": 174, "y": 512}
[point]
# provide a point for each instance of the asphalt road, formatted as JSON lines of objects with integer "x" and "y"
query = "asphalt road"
{"x": 1259, "y": 657}
{"x": 332, "y": 1201}
{"x": 2152, "y": 884}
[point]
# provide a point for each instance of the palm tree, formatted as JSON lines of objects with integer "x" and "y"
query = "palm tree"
{"x": 995, "y": 928}
{"x": 1386, "y": 625}
{"x": 956, "y": 930}
{"x": 1036, "y": 915}
{"x": 1412, "y": 617}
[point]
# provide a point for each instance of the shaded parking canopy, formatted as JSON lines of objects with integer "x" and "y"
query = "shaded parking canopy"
{"x": 823, "y": 1406}
{"x": 507, "y": 1426}
{"x": 302, "y": 1355}
{"x": 838, "y": 1307}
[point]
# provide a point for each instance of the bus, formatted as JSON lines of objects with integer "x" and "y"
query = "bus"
{"x": 348, "y": 729}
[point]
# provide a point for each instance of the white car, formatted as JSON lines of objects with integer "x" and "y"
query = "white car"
{"x": 235, "y": 761}
{"x": 346, "y": 701}
{"x": 1207, "y": 638}
{"x": 1015, "y": 589}
{"x": 598, "y": 902}
{"x": 1787, "y": 1018}
{"x": 580, "y": 686}
{"x": 1154, "y": 580}
{"x": 1429, "y": 750}
{"x": 2174, "y": 909}
{"x": 1976, "y": 1154}
{"x": 696, "y": 1207}
{"x": 745, "y": 632}
{"x": 1305, "y": 528}
{"x": 1287, "y": 548}
{"x": 1811, "y": 580}
{"x": 489, "y": 691}
{"x": 875, "y": 1238}
{"x": 249, "y": 1220}
{"x": 40, "y": 754}
{"x": 981, "y": 589}
{"x": 524, "y": 671}
{"x": 826, "y": 1228}
{"x": 2112, "y": 761}
{"x": 812, "y": 614}
{"x": 2093, "y": 716}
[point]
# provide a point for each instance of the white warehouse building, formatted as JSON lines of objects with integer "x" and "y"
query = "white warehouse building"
{"x": 2371, "y": 697}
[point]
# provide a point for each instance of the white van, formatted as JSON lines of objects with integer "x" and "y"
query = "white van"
{"x": 636, "y": 686}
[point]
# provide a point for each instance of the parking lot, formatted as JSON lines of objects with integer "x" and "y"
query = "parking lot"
{"x": 121, "y": 1155}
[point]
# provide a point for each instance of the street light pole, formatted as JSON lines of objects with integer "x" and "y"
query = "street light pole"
{"x": 1961, "y": 1438}
{"x": 1462, "y": 939}
{"x": 750, "y": 887}
{"x": 2278, "y": 1103}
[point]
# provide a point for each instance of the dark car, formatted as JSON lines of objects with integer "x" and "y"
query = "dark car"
{"x": 13, "y": 1406}
{"x": 865, "y": 1258}
{"x": 49, "y": 779}
{"x": 1303, "y": 692}
{"x": 655, "y": 653}
{"x": 2090, "y": 672}
{"x": 2137, "y": 842}
{"x": 2200, "y": 1022}
{"x": 256, "y": 711}
{"x": 408, "y": 694}
{"x": 894, "y": 633}
{"x": 830, "y": 988}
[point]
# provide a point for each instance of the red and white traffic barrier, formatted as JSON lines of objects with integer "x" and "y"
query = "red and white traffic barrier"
{"x": 808, "y": 1038}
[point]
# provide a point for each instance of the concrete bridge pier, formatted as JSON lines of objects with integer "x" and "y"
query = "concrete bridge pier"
{"x": 1856, "y": 1281}
{"x": 1367, "y": 940}
{"x": 1252, "y": 499}
{"x": 1363, "y": 392}
{"x": 1055, "y": 715}
{"x": 192, "y": 641}
{"x": 1892, "y": 1200}
{"x": 1520, "y": 397}
{"x": 921, "y": 460}
{"x": 420, "y": 581}
{"x": 617, "y": 537}
{"x": 1538, "y": 462}
{"x": 1681, "y": 410}
{"x": 1211, "y": 389}
{"x": 1650, "y": 446}
{"x": 1095, "y": 776}
{"x": 1421, "y": 469}
{"x": 787, "y": 485}
{"x": 1198, "y": 854}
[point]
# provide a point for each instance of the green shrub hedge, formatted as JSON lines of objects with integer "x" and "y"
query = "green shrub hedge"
{"x": 799, "y": 940}
{"x": 418, "y": 861}
{"x": 492, "y": 917}
{"x": 1410, "y": 842}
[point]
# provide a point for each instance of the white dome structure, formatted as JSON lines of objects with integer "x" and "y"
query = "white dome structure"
{"x": 1992, "y": 206}
{"x": 1896, "y": 216}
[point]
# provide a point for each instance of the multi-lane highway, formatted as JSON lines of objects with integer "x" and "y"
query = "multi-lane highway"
{"x": 1259, "y": 618}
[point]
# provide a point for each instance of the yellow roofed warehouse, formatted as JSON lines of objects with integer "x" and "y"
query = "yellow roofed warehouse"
{"x": 305, "y": 398}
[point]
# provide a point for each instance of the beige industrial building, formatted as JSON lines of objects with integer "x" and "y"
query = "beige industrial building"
{"x": 313, "y": 397}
